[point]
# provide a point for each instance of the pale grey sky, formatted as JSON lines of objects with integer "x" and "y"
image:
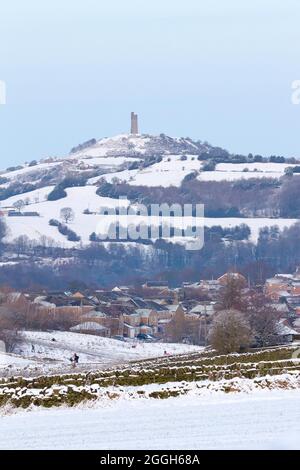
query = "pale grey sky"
{"x": 217, "y": 70}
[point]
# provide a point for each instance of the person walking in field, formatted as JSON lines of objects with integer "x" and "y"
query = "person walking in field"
{"x": 74, "y": 359}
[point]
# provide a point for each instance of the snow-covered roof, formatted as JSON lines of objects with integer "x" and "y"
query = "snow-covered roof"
{"x": 204, "y": 309}
{"x": 283, "y": 308}
{"x": 172, "y": 308}
{"x": 88, "y": 326}
{"x": 296, "y": 323}
{"x": 41, "y": 300}
{"x": 159, "y": 301}
{"x": 143, "y": 311}
{"x": 94, "y": 314}
{"x": 277, "y": 280}
{"x": 283, "y": 293}
{"x": 14, "y": 296}
{"x": 283, "y": 329}
{"x": 284, "y": 276}
{"x": 131, "y": 327}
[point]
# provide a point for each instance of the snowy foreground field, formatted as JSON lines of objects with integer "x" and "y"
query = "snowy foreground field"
{"x": 137, "y": 397}
{"x": 262, "y": 420}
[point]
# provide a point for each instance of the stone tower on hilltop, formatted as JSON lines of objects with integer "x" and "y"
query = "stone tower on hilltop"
{"x": 134, "y": 123}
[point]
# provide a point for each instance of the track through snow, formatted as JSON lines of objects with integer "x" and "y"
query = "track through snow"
{"x": 262, "y": 420}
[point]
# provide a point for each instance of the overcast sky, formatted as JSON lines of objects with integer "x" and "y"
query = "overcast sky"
{"x": 216, "y": 70}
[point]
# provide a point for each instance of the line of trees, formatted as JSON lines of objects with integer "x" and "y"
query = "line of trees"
{"x": 255, "y": 197}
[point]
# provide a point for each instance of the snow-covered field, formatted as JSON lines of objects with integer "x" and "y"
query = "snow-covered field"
{"x": 234, "y": 175}
{"x": 29, "y": 170}
{"x": 105, "y": 161}
{"x": 236, "y": 171}
{"x": 38, "y": 352}
{"x": 77, "y": 160}
{"x": 78, "y": 199}
{"x": 261, "y": 420}
{"x": 85, "y": 197}
{"x": 92, "y": 347}
{"x": 254, "y": 224}
{"x": 260, "y": 167}
{"x": 169, "y": 172}
{"x": 9, "y": 360}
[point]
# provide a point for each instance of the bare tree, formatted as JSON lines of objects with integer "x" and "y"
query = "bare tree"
{"x": 176, "y": 328}
{"x": 231, "y": 292}
{"x": 263, "y": 318}
{"x": 9, "y": 328}
{"x": 230, "y": 331}
{"x": 19, "y": 204}
{"x": 115, "y": 180}
{"x": 22, "y": 243}
{"x": 3, "y": 231}
{"x": 67, "y": 214}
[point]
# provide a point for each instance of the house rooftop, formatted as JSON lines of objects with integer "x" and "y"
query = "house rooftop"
{"x": 156, "y": 284}
{"x": 204, "y": 309}
{"x": 88, "y": 326}
{"x": 283, "y": 329}
{"x": 143, "y": 311}
{"x": 172, "y": 308}
{"x": 94, "y": 314}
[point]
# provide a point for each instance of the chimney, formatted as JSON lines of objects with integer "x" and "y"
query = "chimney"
{"x": 134, "y": 123}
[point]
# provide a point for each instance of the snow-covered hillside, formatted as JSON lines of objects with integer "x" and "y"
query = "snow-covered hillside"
{"x": 108, "y": 153}
{"x": 142, "y": 144}
{"x": 117, "y": 159}
{"x": 57, "y": 169}
{"x": 79, "y": 199}
{"x": 85, "y": 197}
{"x": 59, "y": 346}
{"x": 49, "y": 352}
{"x": 11, "y": 360}
{"x": 170, "y": 171}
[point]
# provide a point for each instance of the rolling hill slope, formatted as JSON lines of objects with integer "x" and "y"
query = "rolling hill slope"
{"x": 138, "y": 160}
